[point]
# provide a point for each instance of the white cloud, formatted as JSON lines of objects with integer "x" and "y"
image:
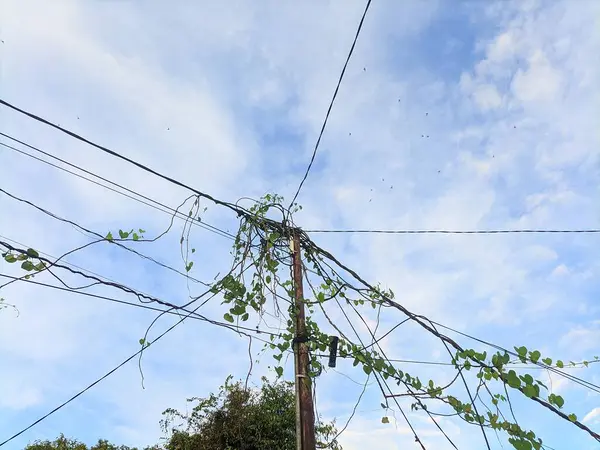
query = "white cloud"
{"x": 242, "y": 91}
{"x": 585, "y": 338}
{"x": 539, "y": 83}
{"x": 592, "y": 416}
{"x": 487, "y": 97}
{"x": 560, "y": 271}
{"x": 503, "y": 47}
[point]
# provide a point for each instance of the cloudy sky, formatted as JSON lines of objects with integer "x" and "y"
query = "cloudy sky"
{"x": 452, "y": 115}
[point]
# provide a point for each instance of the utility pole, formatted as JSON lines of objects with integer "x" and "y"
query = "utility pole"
{"x": 305, "y": 413}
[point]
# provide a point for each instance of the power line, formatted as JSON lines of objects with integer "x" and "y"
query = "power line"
{"x": 193, "y": 313}
{"x": 97, "y": 280}
{"x": 98, "y": 235}
{"x": 68, "y": 263}
{"x": 106, "y": 375}
{"x": 530, "y": 231}
{"x": 314, "y": 154}
{"x": 570, "y": 377}
{"x": 153, "y": 203}
{"x": 195, "y": 316}
{"x": 235, "y": 208}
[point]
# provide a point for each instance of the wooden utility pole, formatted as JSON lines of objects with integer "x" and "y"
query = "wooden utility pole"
{"x": 305, "y": 413}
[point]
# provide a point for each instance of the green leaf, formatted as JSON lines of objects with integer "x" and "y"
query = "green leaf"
{"x": 521, "y": 351}
{"x": 10, "y": 258}
{"x": 31, "y": 252}
{"x": 279, "y": 371}
{"x": 268, "y": 279}
{"x": 109, "y": 237}
{"x": 278, "y": 357}
{"x": 367, "y": 369}
{"x": 142, "y": 341}
{"x": 136, "y": 237}
{"x": 193, "y": 250}
{"x": 559, "y": 401}
{"x": 383, "y": 405}
{"x": 547, "y": 361}
{"x": 572, "y": 417}
{"x": 513, "y": 380}
{"x": 189, "y": 266}
{"x": 528, "y": 379}
{"x": 530, "y": 390}
{"x": 535, "y": 356}
{"x": 228, "y": 317}
{"x": 385, "y": 419}
{"x": 123, "y": 234}
{"x": 560, "y": 364}
{"x": 27, "y": 265}
{"x": 245, "y": 317}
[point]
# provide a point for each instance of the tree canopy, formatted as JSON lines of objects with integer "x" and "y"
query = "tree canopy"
{"x": 241, "y": 418}
{"x": 236, "y": 417}
{"x": 63, "y": 443}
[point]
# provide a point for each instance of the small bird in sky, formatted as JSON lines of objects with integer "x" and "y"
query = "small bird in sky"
{"x": 426, "y": 113}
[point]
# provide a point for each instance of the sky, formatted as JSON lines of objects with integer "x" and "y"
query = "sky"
{"x": 451, "y": 115}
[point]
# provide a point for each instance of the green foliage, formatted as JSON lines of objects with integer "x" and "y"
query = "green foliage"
{"x": 131, "y": 235}
{"x": 260, "y": 253}
{"x": 245, "y": 295}
{"x": 63, "y": 443}
{"x": 240, "y": 418}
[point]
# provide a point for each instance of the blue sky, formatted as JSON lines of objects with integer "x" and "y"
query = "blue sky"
{"x": 457, "y": 115}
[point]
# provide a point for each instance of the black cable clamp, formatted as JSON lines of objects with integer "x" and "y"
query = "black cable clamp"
{"x": 333, "y": 347}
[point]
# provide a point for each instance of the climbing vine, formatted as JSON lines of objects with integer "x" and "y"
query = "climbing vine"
{"x": 260, "y": 284}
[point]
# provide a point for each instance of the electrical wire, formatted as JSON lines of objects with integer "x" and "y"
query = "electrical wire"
{"x": 98, "y": 235}
{"x": 424, "y": 322}
{"x": 314, "y": 154}
{"x": 577, "y": 380}
{"x": 236, "y": 209}
{"x": 195, "y": 316}
{"x": 163, "y": 208}
{"x": 48, "y": 255}
{"x": 529, "y": 231}
{"x": 106, "y": 375}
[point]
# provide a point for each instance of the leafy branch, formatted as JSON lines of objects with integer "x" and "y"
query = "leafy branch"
{"x": 260, "y": 276}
